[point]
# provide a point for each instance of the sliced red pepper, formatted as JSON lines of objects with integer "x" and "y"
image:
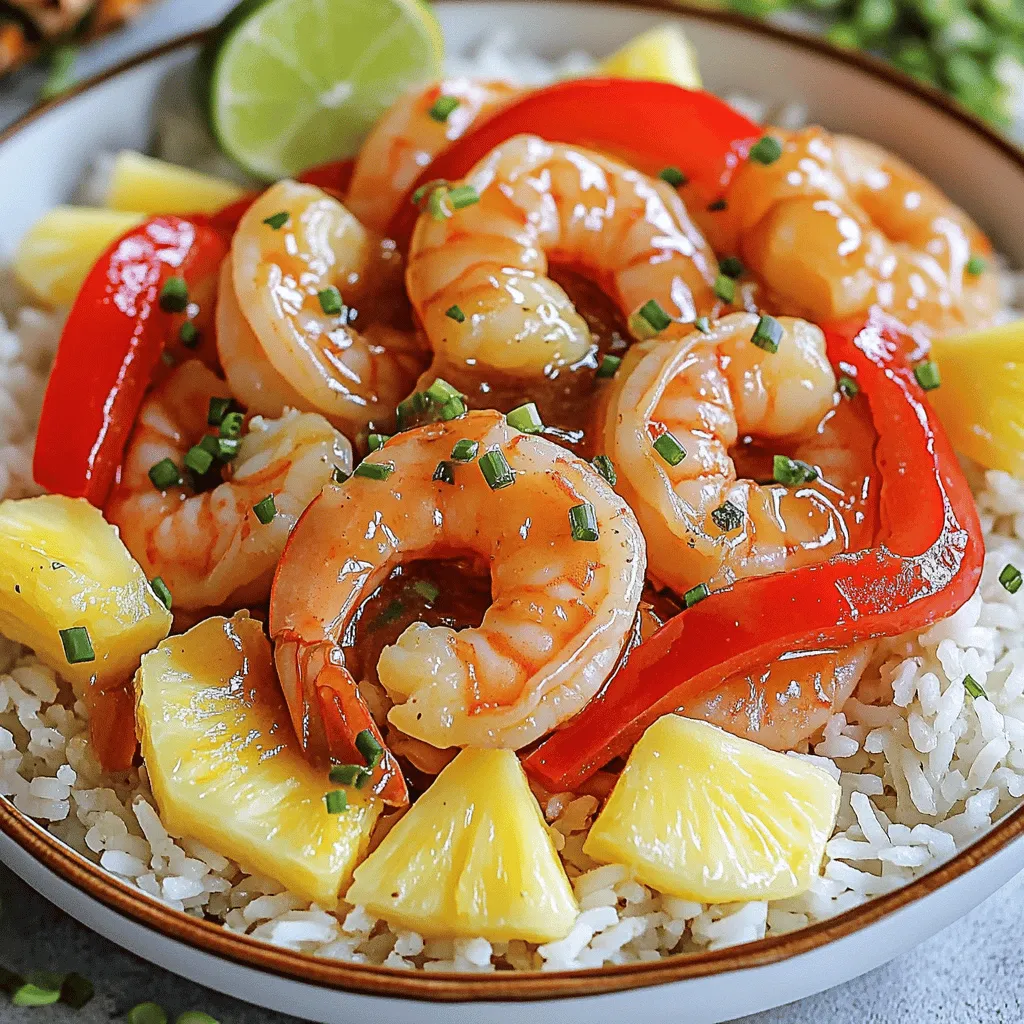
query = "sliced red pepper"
{"x": 108, "y": 351}
{"x": 926, "y": 565}
{"x": 691, "y": 130}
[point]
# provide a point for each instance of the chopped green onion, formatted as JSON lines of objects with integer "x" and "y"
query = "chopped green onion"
{"x": 164, "y": 474}
{"x": 188, "y": 334}
{"x": 792, "y": 471}
{"x": 848, "y": 387}
{"x": 336, "y": 801}
{"x": 228, "y": 448}
{"x": 702, "y": 324}
{"x": 608, "y": 366}
{"x": 973, "y": 687}
{"x": 162, "y": 591}
{"x": 199, "y": 459}
{"x": 146, "y": 1013}
{"x": 1010, "y": 578}
{"x": 377, "y": 441}
{"x": 606, "y": 468}
{"x": 444, "y": 473}
{"x": 727, "y": 517}
{"x": 231, "y": 425}
{"x": 195, "y": 1017}
{"x": 392, "y": 613}
{"x": 330, "y": 300}
{"x": 277, "y": 220}
{"x": 464, "y": 450}
{"x": 456, "y": 314}
{"x": 410, "y": 409}
{"x": 452, "y": 409}
{"x": 927, "y": 375}
{"x": 374, "y": 470}
{"x": 338, "y": 475}
{"x": 669, "y": 448}
{"x": 61, "y": 74}
{"x": 695, "y": 595}
{"x": 77, "y": 645}
{"x": 41, "y": 992}
{"x": 766, "y": 150}
{"x": 717, "y": 206}
{"x": 76, "y": 991}
{"x": 265, "y": 510}
{"x": 496, "y": 470}
{"x": 725, "y": 288}
{"x": 731, "y": 266}
{"x": 426, "y": 187}
{"x": 218, "y": 410}
{"x": 349, "y": 775}
{"x": 442, "y": 108}
{"x": 440, "y": 391}
{"x": 174, "y": 295}
{"x": 976, "y": 265}
{"x": 526, "y": 418}
{"x": 367, "y": 745}
{"x": 673, "y": 176}
{"x": 463, "y": 196}
{"x": 583, "y": 522}
{"x": 210, "y": 444}
{"x": 767, "y": 334}
{"x": 427, "y": 589}
{"x": 649, "y": 320}
{"x": 436, "y": 205}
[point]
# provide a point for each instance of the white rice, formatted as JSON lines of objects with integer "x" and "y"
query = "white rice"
{"x": 924, "y": 768}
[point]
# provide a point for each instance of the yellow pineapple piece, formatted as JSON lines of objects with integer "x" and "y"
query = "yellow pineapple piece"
{"x": 147, "y": 185}
{"x": 472, "y": 857}
{"x": 226, "y": 768}
{"x": 64, "y": 566}
{"x": 58, "y": 251}
{"x": 706, "y": 816}
{"x": 661, "y": 54}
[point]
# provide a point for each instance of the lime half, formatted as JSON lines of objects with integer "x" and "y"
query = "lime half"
{"x": 295, "y": 83}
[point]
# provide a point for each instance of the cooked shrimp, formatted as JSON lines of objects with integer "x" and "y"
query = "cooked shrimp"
{"x": 210, "y": 548}
{"x": 541, "y": 202}
{"x": 560, "y": 611}
{"x": 302, "y": 287}
{"x": 836, "y": 225}
{"x": 407, "y": 138}
{"x": 707, "y": 392}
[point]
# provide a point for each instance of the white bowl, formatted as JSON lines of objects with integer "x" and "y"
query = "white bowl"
{"x": 42, "y": 160}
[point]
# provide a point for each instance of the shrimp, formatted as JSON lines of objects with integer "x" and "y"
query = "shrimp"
{"x": 541, "y": 201}
{"x": 837, "y": 225}
{"x": 209, "y": 547}
{"x": 407, "y": 138}
{"x": 299, "y": 290}
{"x": 561, "y": 608}
{"x": 707, "y": 392}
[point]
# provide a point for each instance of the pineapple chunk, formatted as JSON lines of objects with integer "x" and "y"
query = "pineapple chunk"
{"x": 472, "y": 857}
{"x": 226, "y": 768}
{"x": 63, "y": 566}
{"x": 706, "y": 816}
{"x": 981, "y": 400}
{"x": 59, "y": 250}
{"x": 152, "y": 186}
{"x": 661, "y": 54}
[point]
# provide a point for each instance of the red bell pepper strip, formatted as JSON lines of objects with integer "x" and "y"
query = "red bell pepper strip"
{"x": 653, "y": 124}
{"x": 926, "y": 565}
{"x": 110, "y": 346}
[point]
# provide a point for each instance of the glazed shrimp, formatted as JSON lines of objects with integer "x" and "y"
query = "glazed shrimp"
{"x": 210, "y": 548}
{"x": 541, "y": 202}
{"x": 836, "y": 225}
{"x": 707, "y": 392}
{"x": 316, "y": 296}
{"x": 407, "y": 138}
{"x": 561, "y": 609}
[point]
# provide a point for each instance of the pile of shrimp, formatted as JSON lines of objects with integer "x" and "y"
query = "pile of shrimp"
{"x": 549, "y": 468}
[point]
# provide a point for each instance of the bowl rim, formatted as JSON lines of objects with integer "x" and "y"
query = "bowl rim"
{"x": 208, "y": 937}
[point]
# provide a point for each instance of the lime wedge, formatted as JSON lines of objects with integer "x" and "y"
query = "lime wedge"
{"x": 295, "y": 83}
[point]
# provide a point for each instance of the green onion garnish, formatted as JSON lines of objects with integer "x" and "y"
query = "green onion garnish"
{"x": 338, "y": 475}
{"x": 367, "y": 745}
{"x": 195, "y": 1017}
{"x": 606, "y": 468}
{"x": 174, "y": 295}
{"x": 330, "y": 300}
{"x": 727, "y": 517}
{"x": 444, "y": 473}
{"x": 39, "y": 989}
{"x": 725, "y": 288}
{"x": 496, "y": 470}
{"x": 409, "y": 409}
{"x": 731, "y": 266}
{"x": 608, "y": 366}
{"x": 231, "y": 425}
{"x": 976, "y": 265}
{"x": 76, "y": 991}
{"x": 673, "y": 176}
{"x": 456, "y": 314}
{"x": 164, "y": 474}
{"x": 436, "y": 204}
{"x": 227, "y": 448}
{"x": 199, "y": 459}
{"x": 465, "y": 450}
{"x": 61, "y": 74}
{"x": 218, "y": 410}
{"x": 702, "y": 324}
{"x": 425, "y": 188}
{"x": 442, "y": 108}
{"x": 583, "y": 522}
{"x": 374, "y": 470}
{"x": 767, "y": 334}
{"x": 146, "y": 1013}
{"x": 766, "y": 150}
{"x": 649, "y": 320}
{"x": 162, "y": 591}
{"x": 277, "y": 220}
{"x": 349, "y": 775}
{"x": 695, "y": 595}
{"x": 792, "y": 471}
{"x": 77, "y": 645}
{"x": 188, "y": 334}
{"x": 1010, "y": 578}
{"x": 427, "y": 589}
{"x": 974, "y": 688}
{"x": 377, "y": 441}
{"x": 717, "y": 206}
{"x": 463, "y": 196}
{"x": 265, "y": 510}
{"x": 526, "y": 418}
{"x": 452, "y": 409}
{"x": 336, "y": 801}
{"x": 927, "y": 375}
{"x": 848, "y": 387}
{"x": 440, "y": 391}
{"x": 669, "y": 448}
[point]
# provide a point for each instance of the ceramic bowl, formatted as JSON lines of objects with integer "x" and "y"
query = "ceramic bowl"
{"x": 42, "y": 160}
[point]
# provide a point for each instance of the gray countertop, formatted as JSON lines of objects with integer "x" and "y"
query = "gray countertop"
{"x": 972, "y": 973}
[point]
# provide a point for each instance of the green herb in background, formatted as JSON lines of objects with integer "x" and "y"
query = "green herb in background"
{"x": 61, "y": 75}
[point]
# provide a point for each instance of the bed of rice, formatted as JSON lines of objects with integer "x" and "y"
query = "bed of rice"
{"x": 924, "y": 768}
